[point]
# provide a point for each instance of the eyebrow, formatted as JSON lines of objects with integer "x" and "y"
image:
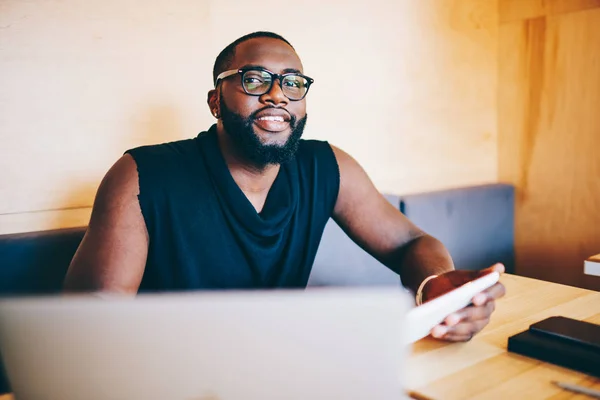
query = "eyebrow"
{"x": 285, "y": 71}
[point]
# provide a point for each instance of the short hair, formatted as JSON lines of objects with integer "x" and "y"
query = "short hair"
{"x": 225, "y": 57}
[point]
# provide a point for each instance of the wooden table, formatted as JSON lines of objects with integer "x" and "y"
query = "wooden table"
{"x": 483, "y": 369}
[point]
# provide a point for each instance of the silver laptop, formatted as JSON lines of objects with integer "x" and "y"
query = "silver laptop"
{"x": 311, "y": 344}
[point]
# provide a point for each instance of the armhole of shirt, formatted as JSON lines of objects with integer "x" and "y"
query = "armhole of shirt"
{"x": 144, "y": 197}
{"x": 336, "y": 176}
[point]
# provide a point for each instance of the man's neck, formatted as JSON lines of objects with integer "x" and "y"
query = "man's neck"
{"x": 254, "y": 181}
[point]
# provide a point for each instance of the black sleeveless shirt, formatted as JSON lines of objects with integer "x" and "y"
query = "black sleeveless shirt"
{"x": 204, "y": 232}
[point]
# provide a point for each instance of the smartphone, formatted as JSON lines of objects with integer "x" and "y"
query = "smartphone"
{"x": 572, "y": 330}
{"x": 420, "y": 320}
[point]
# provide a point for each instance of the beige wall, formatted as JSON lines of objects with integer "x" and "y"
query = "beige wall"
{"x": 549, "y": 133}
{"x": 82, "y": 81}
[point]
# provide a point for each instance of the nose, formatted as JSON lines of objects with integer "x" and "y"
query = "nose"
{"x": 275, "y": 95}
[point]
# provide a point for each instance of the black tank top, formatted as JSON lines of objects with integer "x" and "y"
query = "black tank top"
{"x": 204, "y": 232}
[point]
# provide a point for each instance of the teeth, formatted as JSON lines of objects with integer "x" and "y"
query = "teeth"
{"x": 278, "y": 119}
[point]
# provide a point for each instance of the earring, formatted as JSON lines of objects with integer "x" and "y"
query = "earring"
{"x": 215, "y": 114}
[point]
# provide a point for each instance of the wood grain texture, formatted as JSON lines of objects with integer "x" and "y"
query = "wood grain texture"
{"x": 483, "y": 369}
{"x": 516, "y": 10}
{"x": 83, "y": 82}
{"x": 549, "y": 130}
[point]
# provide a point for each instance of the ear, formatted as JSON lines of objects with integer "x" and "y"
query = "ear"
{"x": 213, "y": 103}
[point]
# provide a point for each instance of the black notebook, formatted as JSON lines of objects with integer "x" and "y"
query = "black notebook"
{"x": 558, "y": 349}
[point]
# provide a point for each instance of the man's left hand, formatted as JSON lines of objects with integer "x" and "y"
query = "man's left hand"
{"x": 462, "y": 325}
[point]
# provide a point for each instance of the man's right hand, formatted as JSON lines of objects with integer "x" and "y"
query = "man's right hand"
{"x": 464, "y": 324}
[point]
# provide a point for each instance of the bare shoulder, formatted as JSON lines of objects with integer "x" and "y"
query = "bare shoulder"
{"x": 355, "y": 184}
{"x": 344, "y": 159}
{"x": 116, "y": 202}
{"x": 113, "y": 252}
{"x": 120, "y": 182}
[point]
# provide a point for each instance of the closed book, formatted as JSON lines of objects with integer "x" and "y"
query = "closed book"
{"x": 556, "y": 351}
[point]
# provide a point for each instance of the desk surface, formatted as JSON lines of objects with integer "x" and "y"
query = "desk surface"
{"x": 483, "y": 369}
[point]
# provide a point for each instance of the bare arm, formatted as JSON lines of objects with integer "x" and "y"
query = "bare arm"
{"x": 112, "y": 254}
{"x": 382, "y": 230}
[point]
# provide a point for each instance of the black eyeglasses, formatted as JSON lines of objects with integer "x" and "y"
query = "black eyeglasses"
{"x": 257, "y": 81}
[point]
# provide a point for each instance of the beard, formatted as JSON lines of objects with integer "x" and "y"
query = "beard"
{"x": 248, "y": 144}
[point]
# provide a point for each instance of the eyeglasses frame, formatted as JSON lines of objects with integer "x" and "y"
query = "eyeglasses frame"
{"x": 274, "y": 77}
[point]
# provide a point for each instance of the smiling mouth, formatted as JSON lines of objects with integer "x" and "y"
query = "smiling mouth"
{"x": 275, "y": 119}
{"x": 272, "y": 123}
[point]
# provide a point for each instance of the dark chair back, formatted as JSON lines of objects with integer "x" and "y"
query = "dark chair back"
{"x": 33, "y": 264}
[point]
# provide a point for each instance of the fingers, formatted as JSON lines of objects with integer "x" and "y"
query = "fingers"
{"x": 496, "y": 291}
{"x": 499, "y": 268}
{"x": 439, "y": 331}
{"x": 464, "y": 332}
{"x": 469, "y": 328}
{"x": 461, "y": 332}
{"x": 455, "y": 338}
{"x": 463, "y": 325}
{"x": 480, "y": 299}
{"x": 493, "y": 293}
{"x": 471, "y": 314}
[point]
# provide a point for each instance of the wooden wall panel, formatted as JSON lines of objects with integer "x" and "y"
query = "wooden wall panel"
{"x": 84, "y": 81}
{"x": 518, "y": 10}
{"x": 549, "y": 137}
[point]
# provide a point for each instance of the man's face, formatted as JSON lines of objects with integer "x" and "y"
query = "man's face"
{"x": 265, "y": 129}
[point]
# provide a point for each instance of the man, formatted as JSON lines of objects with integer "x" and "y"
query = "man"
{"x": 244, "y": 204}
